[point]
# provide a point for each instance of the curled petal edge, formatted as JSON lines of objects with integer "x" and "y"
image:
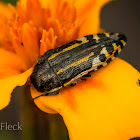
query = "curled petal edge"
{"x": 8, "y": 84}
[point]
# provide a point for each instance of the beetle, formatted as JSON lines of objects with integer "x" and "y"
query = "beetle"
{"x": 62, "y": 66}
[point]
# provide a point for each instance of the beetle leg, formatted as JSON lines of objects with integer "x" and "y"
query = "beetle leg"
{"x": 57, "y": 92}
{"x": 87, "y": 75}
{"x": 72, "y": 85}
{"x": 83, "y": 79}
{"x": 52, "y": 94}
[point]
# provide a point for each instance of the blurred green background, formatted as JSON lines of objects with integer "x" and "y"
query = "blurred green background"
{"x": 119, "y": 16}
{"x": 10, "y": 1}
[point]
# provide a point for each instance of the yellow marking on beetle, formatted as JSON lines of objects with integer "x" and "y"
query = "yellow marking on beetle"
{"x": 76, "y": 63}
{"x": 96, "y": 37}
{"x": 107, "y": 54}
{"x": 119, "y": 50}
{"x": 107, "y": 34}
{"x": 123, "y": 42}
{"x": 67, "y": 49}
{"x": 93, "y": 68}
{"x": 96, "y": 61}
{"x": 115, "y": 46}
{"x": 116, "y": 33}
{"x": 104, "y": 51}
{"x": 82, "y": 39}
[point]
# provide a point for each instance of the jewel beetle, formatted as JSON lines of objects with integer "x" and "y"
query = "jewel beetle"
{"x": 61, "y": 66}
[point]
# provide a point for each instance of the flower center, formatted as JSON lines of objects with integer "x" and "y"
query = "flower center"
{"x": 34, "y": 29}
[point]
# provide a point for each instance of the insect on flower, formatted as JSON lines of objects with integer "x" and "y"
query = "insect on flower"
{"x": 62, "y": 66}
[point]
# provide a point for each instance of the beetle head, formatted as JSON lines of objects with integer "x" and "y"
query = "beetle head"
{"x": 43, "y": 77}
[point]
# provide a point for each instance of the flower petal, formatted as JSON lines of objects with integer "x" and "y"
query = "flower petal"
{"x": 4, "y": 10}
{"x": 30, "y": 38}
{"x": 8, "y": 84}
{"x": 41, "y": 104}
{"x": 107, "y": 104}
{"x": 10, "y": 64}
{"x": 5, "y": 13}
{"x": 89, "y": 13}
{"x": 48, "y": 41}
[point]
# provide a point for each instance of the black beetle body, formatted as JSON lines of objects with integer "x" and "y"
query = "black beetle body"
{"x": 59, "y": 67}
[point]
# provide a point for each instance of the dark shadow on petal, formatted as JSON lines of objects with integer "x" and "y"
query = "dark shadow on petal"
{"x": 136, "y": 138}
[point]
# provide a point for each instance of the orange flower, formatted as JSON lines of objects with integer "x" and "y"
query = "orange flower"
{"x": 109, "y": 101}
{"x": 105, "y": 107}
{"x": 33, "y": 27}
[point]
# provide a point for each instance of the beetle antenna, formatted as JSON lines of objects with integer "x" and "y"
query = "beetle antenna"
{"x": 47, "y": 94}
{"x": 40, "y": 96}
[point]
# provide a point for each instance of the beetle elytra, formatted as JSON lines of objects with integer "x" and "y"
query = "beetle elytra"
{"x": 59, "y": 67}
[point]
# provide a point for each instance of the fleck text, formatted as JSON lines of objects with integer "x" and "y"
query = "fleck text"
{"x": 9, "y": 127}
